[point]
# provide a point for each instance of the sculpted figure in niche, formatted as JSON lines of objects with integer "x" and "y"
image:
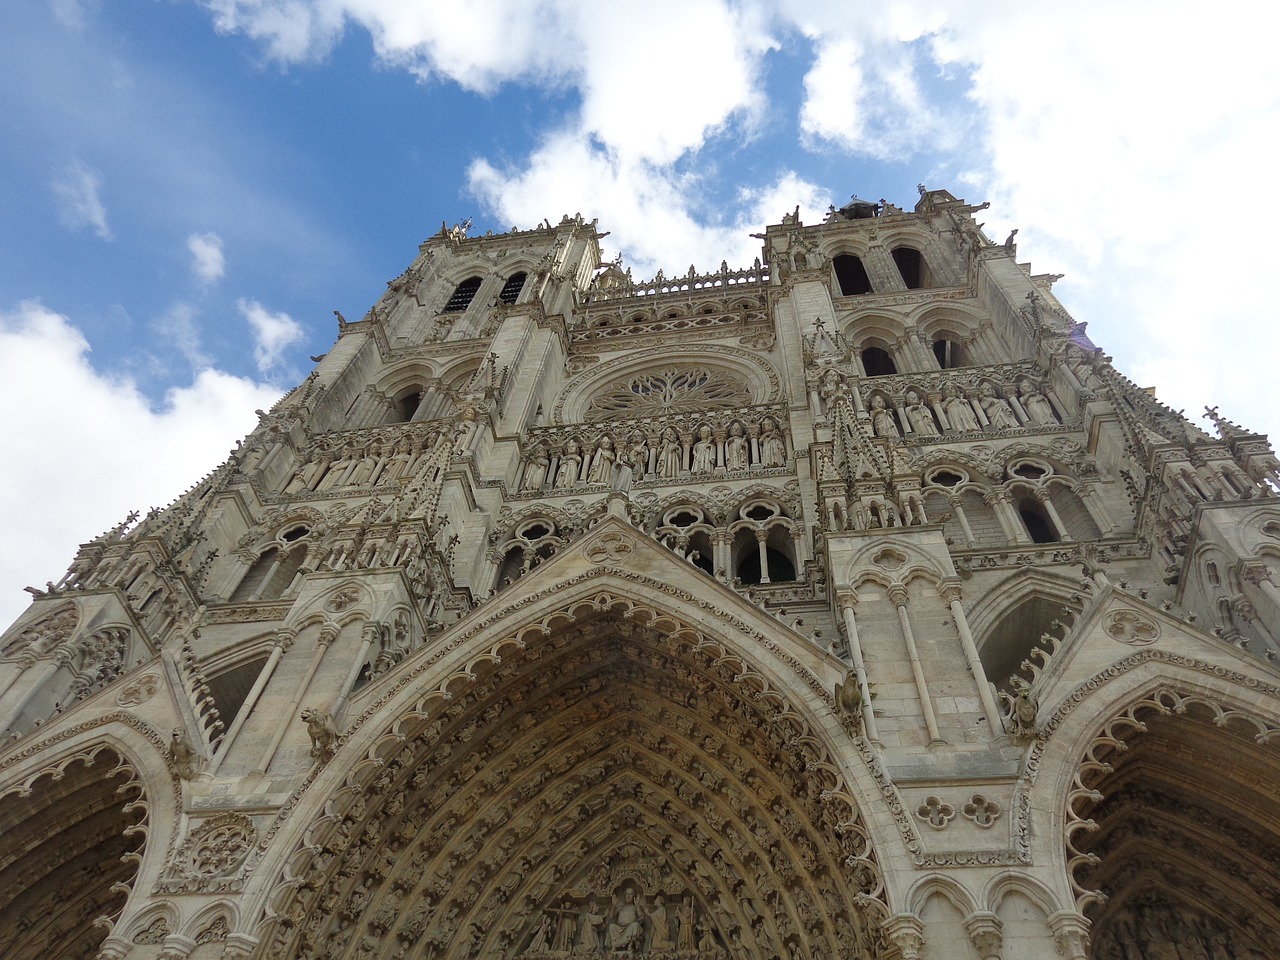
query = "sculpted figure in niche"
{"x": 396, "y": 465}
{"x": 957, "y": 408}
{"x": 602, "y": 465}
{"x": 773, "y": 449}
{"x": 704, "y": 452}
{"x": 570, "y": 464}
{"x": 660, "y": 919}
{"x": 735, "y": 448}
{"x": 882, "y": 422}
{"x": 997, "y": 409}
{"x": 535, "y": 471}
{"x": 639, "y": 455}
{"x": 626, "y": 932}
{"x": 593, "y": 928}
{"x": 920, "y": 416}
{"x": 684, "y": 925}
{"x": 670, "y": 456}
{"x": 363, "y": 470}
{"x": 544, "y": 935}
{"x": 567, "y": 927}
{"x": 1036, "y": 403}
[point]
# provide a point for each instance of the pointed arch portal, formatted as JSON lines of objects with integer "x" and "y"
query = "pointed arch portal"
{"x": 70, "y": 842}
{"x": 610, "y": 782}
{"x": 1172, "y": 836}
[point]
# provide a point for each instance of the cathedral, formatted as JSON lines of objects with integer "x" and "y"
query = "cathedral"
{"x": 846, "y": 605}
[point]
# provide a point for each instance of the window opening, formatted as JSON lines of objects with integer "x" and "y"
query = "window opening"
{"x": 511, "y": 289}
{"x": 949, "y": 353}
{"x": 462, "y": 296}
{"x": 910, "y": 266}
{"x": 851, "y": 275}
{"x": 1037, "y": 524}
{"x": 877, "y": 362}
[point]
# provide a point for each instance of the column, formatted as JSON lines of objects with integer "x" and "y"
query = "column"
{"x": 958, "y": 509}
{"x": 950, "y": 592}
{"x": 848, "y": 600}
{"x": 764, "y": 556}
{"x": 328, "y": 633}
{"x": 905, "y": 933}
{"x": 1042, "y": 494}
{"x": 372, "y": 632}
{"x": 283, "y": 641}
{"x": 63, "y": 656}
{"x": 898, "y": 594}
{"x": 1014, "y": 530}
{"x": 985, "y": 932}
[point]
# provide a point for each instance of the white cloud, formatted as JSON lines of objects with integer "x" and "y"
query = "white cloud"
{"x": 76, "y": 197}
{"x": 180, "y": 327}
{"x": 91, "y": 447}
{"x": 272, "y": 333}
{"x": 208, "y": 262}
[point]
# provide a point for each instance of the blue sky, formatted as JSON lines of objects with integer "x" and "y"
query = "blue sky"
{"x": 189, "y": 189}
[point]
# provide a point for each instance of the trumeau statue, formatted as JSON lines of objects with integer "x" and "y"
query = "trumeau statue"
{"x": 552, "y": 619}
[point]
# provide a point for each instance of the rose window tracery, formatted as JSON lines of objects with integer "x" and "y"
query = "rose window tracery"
{"x": 670, "y": 391}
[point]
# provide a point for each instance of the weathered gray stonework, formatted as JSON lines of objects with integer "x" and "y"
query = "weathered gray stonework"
{"x": 849, "y": 605}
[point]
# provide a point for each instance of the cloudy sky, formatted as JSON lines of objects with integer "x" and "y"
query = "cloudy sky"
{"x": 190, "y": 188}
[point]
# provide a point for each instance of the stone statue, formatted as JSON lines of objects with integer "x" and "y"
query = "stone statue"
{"x": 735, "y": 448}
{"x": 998, "y": 411}
{"x": 639, "y": 454}
{"x": 323, "y": 731}
{"x": 848, "y": 695}
{"x": 670, "y": 456}
{"x": 684, "y": 925}
{"x": 543, "y": 936}
{"x": 535, "y": 472}
{"x": 920, "y": 416}
{"x": 626, "y": 931}
{"x": 882, "y": 422}
{"x": 773, "y": 449}
{"x": 704, "y": 452}
{"x": 602, "y": 464}
{"x": 959, "y": 413}
{"x": 593, "y": 927}
{"x": 659, "y": 917}
{"x": 183, "y": 754}
{"x": 566, "y": 926}
{"x": 570, "y": 465}
{"x": 1023, "y": 705}
{"x": 1037, "y": 405}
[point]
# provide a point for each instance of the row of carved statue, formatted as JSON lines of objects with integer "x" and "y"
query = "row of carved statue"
{"x": 665, "y": 455}
{"x": 626, "y": 925}
{"x": 365, "y": 464}
{"x": 952, "y": 410}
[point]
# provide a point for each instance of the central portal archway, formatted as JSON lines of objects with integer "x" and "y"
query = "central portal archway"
{"x": 617, "y": 786}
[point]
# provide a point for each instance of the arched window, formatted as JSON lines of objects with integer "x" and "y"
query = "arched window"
{"x": 912, "y": 267}
{"x": 406, "y": 405}
{"x": 511, "y": 289}
{"x": 1011, "y": 639}
{"x": 271, "y": 574}
{"x": 1037, "y": 522}
{"x": 462, "y": 295}
{"x": 950, "y": 354}
{"x": 877, "y": 362}
{"x": 851, "y": 275}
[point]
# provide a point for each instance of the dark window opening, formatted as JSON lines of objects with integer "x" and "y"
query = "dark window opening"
{"x": 407, "y": 406}
{"x": 1038, "y": 525}
{"x": 949, "y": 353}
{"x": 463, "y": 295}
{"x": 511, "y": 289}
{"x": 851, "y": 275}
{"x": 781, "y": 569}
{"x": 946, "y": 478}
{"x": 231, "y": 688}
{"x": 1029, "y": 470}
{"x": 877, "y": 362}
{"x": 911, "y": 265}
{"x": 297, "y": 533}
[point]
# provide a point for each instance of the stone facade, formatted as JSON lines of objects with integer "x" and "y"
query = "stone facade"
{"x": 851, "y": 605}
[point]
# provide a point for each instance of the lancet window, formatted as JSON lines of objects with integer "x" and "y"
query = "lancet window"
{"x": 763, "y": 544}
{"x": 851, "y": 275}
{"x": 877, "y": 361}
{"x": 511, "y": 289}
{"x": 275, "y": 569}
{"x": 462, "y": 295}
{"x": 911, "y": 265}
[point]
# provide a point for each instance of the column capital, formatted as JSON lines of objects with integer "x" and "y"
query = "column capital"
{"x": 847, "y": 598}
{"x": 986, "y": 932}
{"x": 949, "y": 589}
{"x": 898, "y": 594}
{"x": 1071, "y": 931}
{"x": 906, "y": 932}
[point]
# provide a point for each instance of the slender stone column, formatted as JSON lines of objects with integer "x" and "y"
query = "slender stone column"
{"x": 61, "y": 657}
{"x": 1052, "y": 512}
{"x": 368, "y": 636}
{"x": 957, "y": 507}
{"x": 764, "y": 556}
{"x": 328, "y": 633}
{"x": 898, "y": 594}
{"x": 848, "y": 600}
{"x": 951, "y": 593}
{"x": 284, "y": 640}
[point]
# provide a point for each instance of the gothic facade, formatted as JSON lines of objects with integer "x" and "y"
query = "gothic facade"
{"x": 849, "y": 606}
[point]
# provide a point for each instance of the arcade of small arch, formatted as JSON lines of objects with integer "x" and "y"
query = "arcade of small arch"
{"x": 619, "y": 785}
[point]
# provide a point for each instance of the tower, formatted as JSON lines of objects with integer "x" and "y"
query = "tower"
{"x": 849, "y": 605}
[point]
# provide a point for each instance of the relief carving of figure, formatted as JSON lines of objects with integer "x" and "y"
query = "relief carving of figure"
{"x": 1036, "y": 403}
{"x": 670, "y": 456}
{"x": 920, "y": 416}
{"x": 959, "y": 413}
{"x": 773, "y": 449}
{"x": 639, "y": 455}
{"x": 593, "y": 927}
{"x": 735, "y": 448}
{"x": 602, "y": 464}
{"x": 704, "y": 452}
{"x": 996, "y": 408}
{"x": 660, "y": 918}
{"x": 882, "y": 422}
{"x": 684, "y": 925}
{"x": 185, "y": 759}
{"x": 535, "y": 472}
{"x": 626, "y": 931}
{"x": 570, "y": 465}
{"x": 566, "y": 927}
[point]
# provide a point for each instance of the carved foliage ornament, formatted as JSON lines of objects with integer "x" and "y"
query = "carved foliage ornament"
{"x": 674, "y": 390}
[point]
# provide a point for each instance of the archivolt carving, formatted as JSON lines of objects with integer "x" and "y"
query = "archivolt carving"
{"x": 608, "y": 748}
